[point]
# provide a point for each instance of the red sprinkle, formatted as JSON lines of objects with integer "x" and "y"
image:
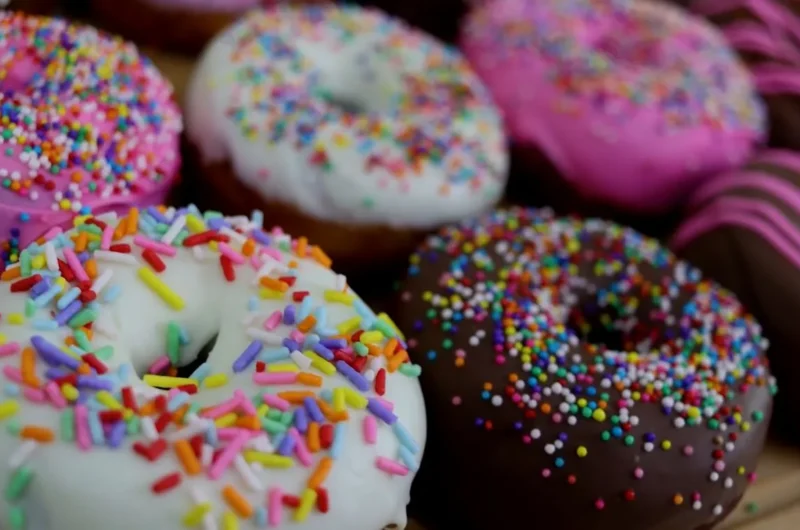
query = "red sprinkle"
{"x": 94, "y": 362}
{"x": 189, "y": 389}
{"x": 380, "y": 382}
{"x": 129, "y": 399}
{"x": 25, "y": 284}
{"x": 65, "y": 271}
{"x": 322, "y": 500}
{"x": 198, "y": 239}
{"x": 121, "y": 248}
{"x": 154, "y": 260}
{"x": 88, "y": 296}
{"x": 166, "y": 483}
{"x": 163, "y": 421}
{"x": 196, "y": 442}
{"x": 298, "y": 296}
{"x": 110, "y": 416}
{"x": 326, "y": 436}
{"x": 288, "y": 280}
{"x": 227, "y": 268}
{"x": 160, "y": 402}
{"x": 291, "y": 501}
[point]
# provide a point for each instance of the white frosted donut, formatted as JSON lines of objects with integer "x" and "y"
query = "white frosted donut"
{"x": 306, "y": 396}
{"x": 350, "y": 116}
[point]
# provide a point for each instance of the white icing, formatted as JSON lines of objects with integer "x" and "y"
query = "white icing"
{"x": 370, "y": 70}
{"x": 110, "y": 488}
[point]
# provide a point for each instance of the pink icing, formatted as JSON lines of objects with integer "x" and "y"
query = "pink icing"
{"x": 97, "y": 111}
{"x": 753, "y": 214}
{"x": 639, "y": 131}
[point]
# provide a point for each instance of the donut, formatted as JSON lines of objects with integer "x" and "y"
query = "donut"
{"x": 743, "y": 229}
{"x": 193, "y": 23}
{"x": 633, "y": 102}
{"x": 304, "y": 413}
{"x": 766, "y": 35}
{"x": 578, "y": 375}
{"x": 88, "y": 124}
{"x": 345, "y": 125}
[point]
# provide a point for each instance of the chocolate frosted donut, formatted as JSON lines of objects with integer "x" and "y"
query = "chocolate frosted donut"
{"x": 766, "y": 34}
{"x": 577, "y": 375}
{"x": 743, "y": 229}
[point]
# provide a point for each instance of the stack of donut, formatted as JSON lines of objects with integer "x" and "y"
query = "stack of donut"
{"x": 205, "y": 367}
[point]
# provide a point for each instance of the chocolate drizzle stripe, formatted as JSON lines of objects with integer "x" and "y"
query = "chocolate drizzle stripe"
{"x": 759, "y": 217}
{"x": 773, "y": 78}
{"x": 775, "y": 16}
{"x": 780, "y": 157}
{"x": 752, "y": 36}
{"x": 762, "y": 181}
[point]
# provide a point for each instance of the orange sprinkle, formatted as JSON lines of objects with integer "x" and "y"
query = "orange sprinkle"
{"x": 177, "y": 417}
{"x": 133, "y": 221}
{"x": 81, "y": 241}
{"x": 274, "y": 284}
{"x": 148, "y": 409}
{"x": 248, "y": 248}
{"x": 309, "y": 379}
{"x": 40, "y": 434}
{"x": 237, "y": 502}
{"x": 10, "y": 274}
{"x": 172, "y": 371}
{"x": 391, "y": 346}
{"x": 91, "y": 268}
{"x": 335, "y": 416}
{"x": 250, "y": 423}
{"x": 28, "y": 367}
{"x": 84, "y": 369}
{"x": 307, "y": 324}
{"x": 396, "y": 360}
{"x": 70, "y": 341}
{"x": 295, "y": 397}
{"x": 313, "y": 441}
{"x": 374, "y": 350}
{"x": 302, "y": 247}
{"x": 321, "y": 472}
{"x": 121, "y": 230}
{"x": 321, "y": 257}
{"x": 89, "y": 333}
{"x": 187, "y": 457}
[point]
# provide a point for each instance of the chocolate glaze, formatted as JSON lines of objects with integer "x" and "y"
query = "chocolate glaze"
{"x": 480, "y": 471}
{"x": 764, "y": 279}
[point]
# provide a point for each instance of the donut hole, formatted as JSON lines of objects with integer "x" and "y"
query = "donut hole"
{"x": 202, "y": 356}
{"x": 597, "y": 325}
{"x": 345, "y": 102}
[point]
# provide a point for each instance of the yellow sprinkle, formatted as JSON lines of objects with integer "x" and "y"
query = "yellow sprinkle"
{"x": 354, "y": 399}
{"x": 371, "y": 337}
{"x": 105, "y": 398}
{"x": 213, "y": 245}
{"x": 160, "y": 289}
{"x": 69, "y": 392}
{"x": 8, "y": 408}
{"x": 339, "y": 399}
{"x": 262, "y": 410}
{"x": 268, "y": 459}
{"x": 195, "y": 224}
{"x": 349, "y": 326}
{"x": 307, "y": 500}
{"x": 38, "y": 262}
{"x": 320, "y": 364}
{"x": 3, "y": 339}
{"x": 215, "y": 380}
{"x": 164, "y": 381}
{"x": 195, "y": 516}
{"x": 226, "y": 420}
{"x": 15, "y": 319}
{"x": 62, "y": 283}
{"x": 270, "y": 294}
{"x": 338, "y": 297}
{"x": 229, "y": 521}
{"x": 283, "y": 367}
{"x": 80, "y": 220}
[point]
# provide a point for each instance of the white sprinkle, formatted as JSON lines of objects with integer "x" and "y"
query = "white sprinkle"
{"x": 300, "y": 360}
{"x": 102, "y": 280}
{"x": 235, "y": 236}
{"x": 174, "y": 229}
{"x": 247, "y": 474}
{"x": 264, "y": 336}
{"x": 50, "y": 256}
{"x": 341, "y": 282}
{"x": 261, "y": 444}
{"x": 194, "y": 428}
{"x": 115, "y": 257}
{"x": 206, "y": 455}
{"x": 22, "y": 454}
{"x": 265, "y": 270}
{"x": 149, "y": 428}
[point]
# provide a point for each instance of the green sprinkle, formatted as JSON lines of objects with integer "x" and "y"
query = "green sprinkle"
{"x": 82, "y": 340}
{"x": 85, "y": 316}
{"x": 287, "y": 418}
{"x": 361, "y": 349}
{"x": 105, "y": 353}
{"x": 18, "y": 483}
{"x": 272, "y": 426}
{"x": 13, "y": 427}
{"x": 30, "y": 308}
{"x": 16, "y": 518}
{"x": 174, "y": 343}
{"x": 410, "y": 370}
{"x": 132, "y": 426}
{"x": 68, "y": 425}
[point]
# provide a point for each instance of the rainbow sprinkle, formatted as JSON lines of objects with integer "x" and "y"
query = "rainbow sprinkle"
{"x": 319, "y": 372}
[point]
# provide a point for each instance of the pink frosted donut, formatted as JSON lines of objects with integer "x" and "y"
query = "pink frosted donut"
{"x": 633, "y": 101}
{"x": 86, "y": 125}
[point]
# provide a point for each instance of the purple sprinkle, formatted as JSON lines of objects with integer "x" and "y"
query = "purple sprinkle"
{"x": 56, "y": 373}
{"x": 52, "y": 355}
{"x": 70, "y": 311}
{"x": 334, "y": 344}
{"x": 313, "y": 410}
{"x": 83, "y": 257}
{"x": 286, "y": 446}
{"x": 301, "y": 420}
{"x": 247, "y": 357}
{"x": 261, "y": 237}
{"x": 380, "y": 411}
{"x": 40, "y": 287}
{"x": 289, "y": 315}
{"x": 116, "y": 435}
{"x": 322, "y": 351}
{"x": 216, "y": 223}
{"x": 158, "y": 216}
{"x": 358, "y": 380}
{"x": 289, "y": 343}
{"x": 94, "y": 383}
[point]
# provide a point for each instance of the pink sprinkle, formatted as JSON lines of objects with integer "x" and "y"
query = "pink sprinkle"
{"x": 274, "y": 378}
{"x": 231, "y": 254}
{"x": 230, "y": 433}
{"x": 81, "y": 428}
{"x": 54, "y": 393}
{"x": 386, "y": 403}
{"x": 108, "y": 236}
{"x": 272, "y": 322}
{"x": 75, "y": 264}
{"x": 391, "y": 467}
{"x": 370, "y": 429}
{"x": 223, "y": 408}
{"x": 226, "y": 457}
{"x": 159, "y": 365}
{"x": 255, "y": 263}
{"x": 276, "y": 402}
{"x": 173, "y": 392}
{"x": 274, "y": 506}
{"x": 34, "y": 395}
{"x": 297, "y": 336}
{"x": 13, "y": 347}
{"x": 13, "y": 373}
{"x": 53, "y": 232}
{"x": 245, "y": 404}
{"x": 300, "y": 448}
{"x": 272, "y": 253}
{"x": 156, "y": 246}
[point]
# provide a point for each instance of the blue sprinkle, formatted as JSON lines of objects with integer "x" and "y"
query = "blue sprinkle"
{"x": 338, "y": 440}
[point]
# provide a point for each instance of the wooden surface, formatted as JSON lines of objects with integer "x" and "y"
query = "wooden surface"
{"x": 772, "y": 503}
